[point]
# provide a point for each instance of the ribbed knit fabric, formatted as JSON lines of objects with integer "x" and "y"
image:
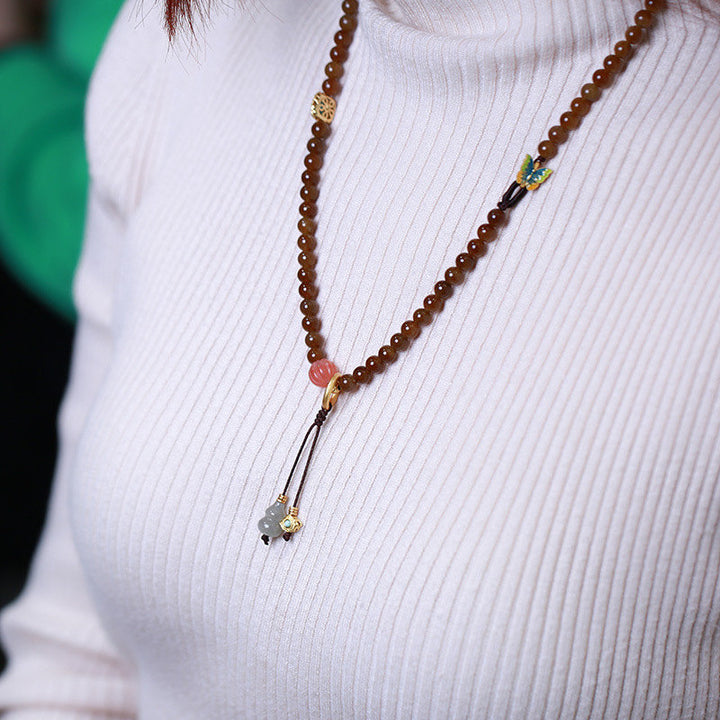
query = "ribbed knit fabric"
{"x": 521, "y": 517}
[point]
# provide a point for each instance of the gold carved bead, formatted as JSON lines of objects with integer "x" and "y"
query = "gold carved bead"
{"x": 323, "y": 107}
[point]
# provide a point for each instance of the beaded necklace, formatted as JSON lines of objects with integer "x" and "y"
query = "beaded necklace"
{"x": 278, "y": 519}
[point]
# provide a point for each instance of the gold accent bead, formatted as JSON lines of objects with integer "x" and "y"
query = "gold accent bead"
{"x": 282, "y": 498}
{"x": 290, "y": 523}
{"x": 323, "y": 107}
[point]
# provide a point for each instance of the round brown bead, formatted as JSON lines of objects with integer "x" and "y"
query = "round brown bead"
{"x": 307, "y": 243}
{"x": 590, "y": 92}
{"x": 350, "y": 6}
{"x": 307, "y": 259}
{"x": 307, "y": 290}
{"x": 307, "y": 226}
{"x": 320, "y": 130}
{"x": 602, "y": 78}
{"x": 623, "y": 49}
{"x": 410, "y": 329}
{"x": 547, "y": 149}
{"x": 433, "y": 303}
{"x": 308, "y": 209}
{"x": 309, "y": 193}
{"x": 362, "y": 375}
{"x": 399, "y": 342}
{"x": 331, "y": 86}
{"x": 313, "y": 161}
{"x": 311, "y": 323}
{"x": 334, "y": 69}
{"x": 314, "y": 340}
{"x": 487, "y": 233}
{"x": 454, "y": 275}
{"x": 476, "y": 247}
{"x": 569, "y": 120}
{"x": 306, "y": 275}
{"x": 314, "y": 354}
{"x": 613, "y": 64}
{"x": 634, "y": 34}
{"x": 443, "y": 289}
{"x": 343, "y": 38}
{"x": 347, "y": 384}
{"x": 580, "y": 106}
{"x": 466, "y": 262}
{"x": 339, "y": 53}
{"x": 310, "y": 177}
{"x": 496, "y": 217}
{"x": 422, "y": 316}
{"x": 388, "y": 353}
{"x": 558, "y": 134}
{"x": 309, "y": 307}
{"x": 348, "y": 22}
{"x": 644, "y": 18}
{"x": 316, "y": 145}
{"x": 375, "y": 365}
{"x": 654, "y": 5}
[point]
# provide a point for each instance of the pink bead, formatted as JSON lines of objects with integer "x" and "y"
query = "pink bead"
{"x": 321, "y": 371}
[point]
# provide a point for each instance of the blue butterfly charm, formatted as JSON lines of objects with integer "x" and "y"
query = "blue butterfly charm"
{"x": 531, "y": 175}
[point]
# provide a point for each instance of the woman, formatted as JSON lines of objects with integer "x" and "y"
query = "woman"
{"x": 518, "y": 518}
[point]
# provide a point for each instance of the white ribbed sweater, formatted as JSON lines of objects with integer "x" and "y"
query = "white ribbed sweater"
{"x": 521, "y": 517}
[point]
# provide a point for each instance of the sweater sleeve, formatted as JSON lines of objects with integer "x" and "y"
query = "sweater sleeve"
{"x": 61, "y": 663}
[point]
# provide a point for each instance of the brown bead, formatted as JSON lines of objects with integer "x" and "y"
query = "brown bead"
{"x": 314, "y": 354}
{"x": 316, "y": 145}
{"x": 547, "y": 149}
{"x": 362, "y": 375}
{"x": 602, "y": 78}
{"x": 466, "y": 262}
{"x": 339, "y": 53}
{"x": 334, "y": 69}
{"x": 487, "y": 233}
{"x": 623, "y": 49}
{"x": 307, "y": 243}
{"x": 613, "y": 64}
{"x": 433, "y": 303}
{"x": 309, "y": 193}
{"x": 347, "y": 384}
{"x": 443, "y": 289}
{"x": 320, "y": 130}
{"x": 399, "y": 342}
{"x": 306, "y": 275}
{"x": 311, "y": 323}
{"x": 477, "y": 247}
{"x": 314, "y": 340}
{"x": 580, "y": 106}
{"x": 313, "y": 161}
{"x": 454, "y": 275}
{"x": 388, "y": 354}
{"x": 569, "y": 120}
{"x": 634, "y": 34}
{"x": 410, "y": 329}
{"x": 350, "y": 7}
{"x": 644, "y": 18}
{"x": 590, "y": 92}
{"x": 343, "y": 38}
{"x": 375, "y": 365}
{"x": 310, "y": 177}
{"x": 654, "y": 5}
{"x": 308, "y": 209}
{"x": 422, "y": 316}
{"x": 331, "y": 86}
{"x": 309, "y": 307}
{"x": 307, "y": 259}
{"x": 496, "y": 217}
{"x": 348, "y": 22}
{"x": 558, "y": 134}
{"x": 308, "y": 290}
{"x": 307, "y": 226}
